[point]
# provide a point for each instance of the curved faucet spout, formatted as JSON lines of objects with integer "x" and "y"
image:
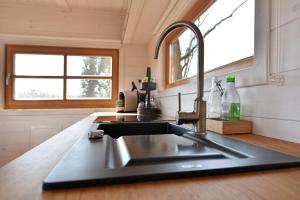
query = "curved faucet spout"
{"x": 198, "y": 117}
{"x": 196, "y": 31}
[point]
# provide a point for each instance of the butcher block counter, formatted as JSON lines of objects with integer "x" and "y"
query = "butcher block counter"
{"x": 22, "y": 178}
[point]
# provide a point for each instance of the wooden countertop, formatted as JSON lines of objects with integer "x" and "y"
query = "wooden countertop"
{"x": 22, "y": 178}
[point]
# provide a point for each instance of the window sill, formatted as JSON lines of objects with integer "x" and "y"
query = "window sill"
{"x": 233, "y": 67}
{"x": 179, "y": 82}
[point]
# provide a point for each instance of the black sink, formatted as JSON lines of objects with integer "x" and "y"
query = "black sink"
{"x": 116, "y": 130}
{"x": 136, "y": 151}
{"x": 133, "y": 144}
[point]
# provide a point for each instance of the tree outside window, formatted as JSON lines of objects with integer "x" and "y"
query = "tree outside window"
{"x": 227, "y": 27}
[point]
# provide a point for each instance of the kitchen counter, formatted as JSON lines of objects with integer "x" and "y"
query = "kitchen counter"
{"x": 22, "y": 178}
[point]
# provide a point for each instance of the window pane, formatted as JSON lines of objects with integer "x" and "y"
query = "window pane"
{"x": 39, "y": 65}
{"x": 89, "y": 89}
{"x": 89, "y": 66}
{"x": 228, "y": 31}
{"x": 38, "y": 89}
{"x": 184, "y": 56}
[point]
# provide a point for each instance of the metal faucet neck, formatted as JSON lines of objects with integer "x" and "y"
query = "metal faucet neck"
{"x": 196, "y": 31}
{"x": 198, "y": 117}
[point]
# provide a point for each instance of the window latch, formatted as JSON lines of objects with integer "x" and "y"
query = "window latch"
{"x": 7, "y": 78}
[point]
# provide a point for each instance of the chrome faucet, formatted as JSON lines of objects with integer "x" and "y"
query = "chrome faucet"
{"x": 198, "y": 116}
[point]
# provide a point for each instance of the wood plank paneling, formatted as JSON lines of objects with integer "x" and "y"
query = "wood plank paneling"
{"x": 46, "y": 21}
{"x": 20, "y": 133}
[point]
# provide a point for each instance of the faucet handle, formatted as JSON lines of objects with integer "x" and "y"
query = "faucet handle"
{"x": 179, "y": 101}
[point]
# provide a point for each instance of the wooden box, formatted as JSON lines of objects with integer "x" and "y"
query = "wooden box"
{"x": 228, "y": 127}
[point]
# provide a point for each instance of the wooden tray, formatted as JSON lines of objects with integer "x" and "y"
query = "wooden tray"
{"x": 228, "y": 127}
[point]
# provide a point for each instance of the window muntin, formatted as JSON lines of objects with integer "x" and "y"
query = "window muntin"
{"x": 42, "y": 77}
{"x": 228, "y": 30}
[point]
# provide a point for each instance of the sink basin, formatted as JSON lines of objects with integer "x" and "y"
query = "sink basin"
{"x": 132, "y": 144}
{"x": 136, "y": 151}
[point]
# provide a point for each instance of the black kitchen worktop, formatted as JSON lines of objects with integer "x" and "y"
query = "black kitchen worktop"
{"x": 139, "y": 151}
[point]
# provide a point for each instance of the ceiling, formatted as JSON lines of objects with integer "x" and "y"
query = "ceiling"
{"x": 107, "y": 5}
{"x": 139, "y": 17}
{"x": 143, "y": 17}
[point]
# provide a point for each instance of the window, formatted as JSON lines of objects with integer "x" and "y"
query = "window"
{"x": 228, "y": 31}
{"x": 60, "y": 77}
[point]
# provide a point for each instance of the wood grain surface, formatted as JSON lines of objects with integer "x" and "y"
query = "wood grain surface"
{"x": 228, "y": 127}
{"x": 22, "y": 178}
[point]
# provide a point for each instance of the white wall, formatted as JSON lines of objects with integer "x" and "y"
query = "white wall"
{"x": 23, "y": 129}
{"x": 135, "y": 64}
{"x": 273, "y": 109}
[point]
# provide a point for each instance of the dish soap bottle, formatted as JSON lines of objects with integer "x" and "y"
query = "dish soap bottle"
{"x": 214, "y": 100}
{"x": 230, "y": 101}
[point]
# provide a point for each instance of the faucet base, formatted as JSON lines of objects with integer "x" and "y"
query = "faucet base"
{"x": 200, "y": 134}
{"x": 186, "y": 118}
